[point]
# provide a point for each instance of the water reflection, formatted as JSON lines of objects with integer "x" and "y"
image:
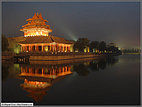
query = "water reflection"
{"x": 45, "y": 71}
{"x": 36, "y": 89}
{"x": 5, "y": 72}
{"x": 103, "y": 63}
{"x": 39, "y": 78}
{"x": 95, "y": 65}
{"x": 9, "y": 69}
{"x": 81, "y": 70}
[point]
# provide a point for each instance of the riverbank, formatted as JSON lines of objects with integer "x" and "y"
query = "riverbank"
{"x": 46, "y": 56}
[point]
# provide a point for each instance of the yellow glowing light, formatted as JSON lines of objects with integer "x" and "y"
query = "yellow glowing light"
{"x": 88, "y": 49}
{"x": 17, "y": 50}
{"x": 85, "y": 50}
{"x": 38, "y": 32}
{"x": 46, "y": 48}
{"x": 35, "y": 84}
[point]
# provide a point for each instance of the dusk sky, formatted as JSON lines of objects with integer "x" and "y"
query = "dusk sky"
{"x": 117, "y": 22}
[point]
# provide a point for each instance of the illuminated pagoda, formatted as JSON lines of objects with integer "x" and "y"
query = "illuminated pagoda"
{"x": 37, "y": 37}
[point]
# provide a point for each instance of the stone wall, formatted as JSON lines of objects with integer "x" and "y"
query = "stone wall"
{"x": 7, "y": 55}
{"x": 62, "y": 57}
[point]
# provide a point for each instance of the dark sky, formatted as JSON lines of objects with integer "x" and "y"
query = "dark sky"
{"x": 117, "y": 22}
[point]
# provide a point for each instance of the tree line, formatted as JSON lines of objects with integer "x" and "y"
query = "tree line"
{"x": 94, "y": 46}
{"x": 131, "y": 50}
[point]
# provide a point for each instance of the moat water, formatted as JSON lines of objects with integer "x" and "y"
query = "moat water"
{"x": 109, "y": 81}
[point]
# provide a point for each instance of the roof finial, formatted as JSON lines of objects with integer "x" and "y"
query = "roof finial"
{"x": 35, "y": 16}
{"x": 40, "y": 16}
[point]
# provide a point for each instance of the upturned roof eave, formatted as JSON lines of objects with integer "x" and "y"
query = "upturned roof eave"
{"x": 43, "y": 43}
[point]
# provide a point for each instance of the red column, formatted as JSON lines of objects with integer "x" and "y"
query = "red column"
{"x": 36, "y": 47}
{"x": 36, "y": 71}
{"x": 59, "y": 70}
{"x": 63, "y": 69}
{"x": 69, "y": 48}
{"x": 66, "y": 49}
{"x": 42, "y": 71}
{"x": 69, "y": 68}
{"x": 59, "y": 48}
{"x": 42, "y": 47}
{"x": 63, "y": 48}
{"x": 25, "y": 48}
{"x": 26, "y": 69}
{"x": 29, "y": 48}
{"x": 56, "y": 48}
{"x": 52, "y": 48}
{"x": 30, "y": 70}
{"x": 66, "y": 68}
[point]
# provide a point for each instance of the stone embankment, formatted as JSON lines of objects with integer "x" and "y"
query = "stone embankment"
{"x": 46, "y": 56}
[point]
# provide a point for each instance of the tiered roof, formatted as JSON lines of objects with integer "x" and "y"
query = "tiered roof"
{"x": 30, "y": 36}
{"x": 36, "y": 21}
{"x": 44, "y": 39}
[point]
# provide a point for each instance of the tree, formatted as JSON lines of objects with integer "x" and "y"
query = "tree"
{"x": 81, "y": 44}
{"x": 112, "y": 48}
{"x": 4, "y": 43}
{"x": 102, "y": 46}
{"x": 94, "y": 45}
{"x": 14, "y": 46}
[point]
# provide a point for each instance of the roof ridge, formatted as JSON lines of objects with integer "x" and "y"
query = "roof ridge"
{"x": 52, "y": 38}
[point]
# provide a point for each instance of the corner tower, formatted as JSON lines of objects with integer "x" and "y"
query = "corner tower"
{"x": 36, "y": 26}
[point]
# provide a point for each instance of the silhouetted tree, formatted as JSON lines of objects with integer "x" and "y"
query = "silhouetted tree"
{"x": 81, "y": 44}
{"x": 94, "y": 45}
{"x": 4, "y": 43}
{"x": 112, "y": 48}
{"x": 102, "y": 46}
{"x": 14, "y": 46}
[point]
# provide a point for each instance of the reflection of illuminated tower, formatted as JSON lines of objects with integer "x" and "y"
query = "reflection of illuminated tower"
{"x": 36, "y": 89}
{"x": 36, "y": 26}
{"x": 46, "y": 72}
{"x": 37, "y": 80}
